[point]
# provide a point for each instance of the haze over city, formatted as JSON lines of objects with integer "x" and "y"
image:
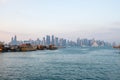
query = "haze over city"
{"x": 99, "y": 19}
{"x": 59, "y": 40}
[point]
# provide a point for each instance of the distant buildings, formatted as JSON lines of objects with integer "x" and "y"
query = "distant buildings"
{"x": 91, "y": 43}
{"x": 53, "y": 40}
{"x": 14, "y": 41}
{"x": 56, "y": 41}
{"x": 61, "y": 42}
{"x": 94, "y": 44}
{"x": 43, "y": 42}
{"x": 48, "y": 40}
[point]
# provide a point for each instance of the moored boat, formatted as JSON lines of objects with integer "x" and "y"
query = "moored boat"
{"x": 14, "y": 48}
{"x": 1, "y": 46}
{"x": 52, "y": 47}
{"x": 117, "y": 47}
{"x": 41, "y": 47}
{"x": 28, "y": 47}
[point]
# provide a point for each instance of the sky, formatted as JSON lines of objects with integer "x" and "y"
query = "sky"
{"x": 99, "y": 19}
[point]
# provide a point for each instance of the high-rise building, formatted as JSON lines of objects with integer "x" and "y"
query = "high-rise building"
{"x": 47, "y": 40}
{"x": 64, "y": 43}
{"x": 53, "y": 42}
{"x": 11, "y": 39}
{"x": 56, "y": 41}
{"x": 61, "y": 42}
{"x": 14, "y": 40}
{"x": 43, "y": 42}
{"x": 37, "y": 42}
{"x": 78, "y": 42}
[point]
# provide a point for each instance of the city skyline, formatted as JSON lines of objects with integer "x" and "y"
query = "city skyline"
{"x": 65, "y": 18}
{"x": 60, "y": 42}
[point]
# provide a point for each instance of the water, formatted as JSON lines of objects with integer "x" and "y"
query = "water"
{"x": 61, "y": 64}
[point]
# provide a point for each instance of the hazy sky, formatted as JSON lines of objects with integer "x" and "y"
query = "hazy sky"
{"x": 98, "y": 19}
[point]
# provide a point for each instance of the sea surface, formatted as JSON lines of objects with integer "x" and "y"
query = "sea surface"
{"x": 61, "y": 64}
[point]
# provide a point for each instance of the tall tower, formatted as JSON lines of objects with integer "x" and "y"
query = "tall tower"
{"x": 47, "y": 40}
{"x": 56, "y": 41}
{"x": 12, "y": 39}
{"x": 53, "y": 42}
{"x": 15, "y": 38}
{"x": 44, "y": 43}
{"x": 78, "y": 41}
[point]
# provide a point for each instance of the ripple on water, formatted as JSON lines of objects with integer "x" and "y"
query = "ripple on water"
{"x": 63, "y": 64}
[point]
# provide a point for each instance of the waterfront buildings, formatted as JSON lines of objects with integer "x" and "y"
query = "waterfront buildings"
{"x": 48, "y": 40}
{"x": 53, "y": 40}
{"x": 61, "y": 42}
{"x": 14, "y": 41}
{"x": 43, "y": 41}
{"x": 56, "y": 41}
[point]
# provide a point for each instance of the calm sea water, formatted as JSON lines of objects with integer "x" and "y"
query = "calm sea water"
{"x": 61, "y": 64}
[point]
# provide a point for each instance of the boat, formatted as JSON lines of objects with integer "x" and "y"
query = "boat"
{"x": 14, "y": 48}
{"x": 1, "y": 47}
{"x": 52, "y": 47}
{"x": 41, "y": 47}
{"x": 117, "y": 47}
{"x": 27, "y": 47}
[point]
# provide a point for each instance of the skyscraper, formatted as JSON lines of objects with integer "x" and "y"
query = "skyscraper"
{"x": 47, "y": 40}
{"x": 56, "y": 41}
{"x": 14, "y": 40}
{"x": 64, "y": 43}
{"x": 44, "y": 42}
{"x": 53, "y": 42}
{"x": 78, "y": 42}
{"x": 61, "y": 42}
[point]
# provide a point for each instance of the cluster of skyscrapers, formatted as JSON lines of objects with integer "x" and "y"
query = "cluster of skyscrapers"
{"x": 60, "y": 42}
